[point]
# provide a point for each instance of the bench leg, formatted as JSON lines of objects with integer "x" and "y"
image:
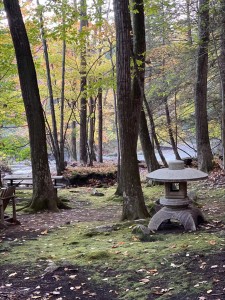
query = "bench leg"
{"x": 2, "y": 223}
{"x": 14, "y": 209}
{"x": 2, "y": 212}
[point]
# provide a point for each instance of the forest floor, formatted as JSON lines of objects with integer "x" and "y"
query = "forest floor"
{"x": 87, "y": 253}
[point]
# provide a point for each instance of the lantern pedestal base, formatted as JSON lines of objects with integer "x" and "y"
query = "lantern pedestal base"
{"x": 189, "y": 217}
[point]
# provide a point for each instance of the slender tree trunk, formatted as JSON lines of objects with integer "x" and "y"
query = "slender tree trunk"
{"x": 189, "y": 32}
{"x": 170, "y": 130}
{"x": 92, "y": 156}
{"x": 139, "y": 82}
{"x": 222, "y": 75}
{"x": 153, "y": 131}
{"x": 83, "y": 101}
{"x": 146, "y": 144}
{"x": 62, "y": 138}
{"x": 100, "y": 126}
{"x": 119, "y": 190}
{"x": 205, "y": 157}
{"x": 44, "y": 196}
{"x": 74, "y": 141}
{"x": 128, "y": 115}
{"x": 100, "y": 110}
{"x": 54, "y": 134}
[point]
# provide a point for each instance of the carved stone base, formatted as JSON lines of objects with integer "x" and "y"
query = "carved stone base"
{"x": 189, "y": 217}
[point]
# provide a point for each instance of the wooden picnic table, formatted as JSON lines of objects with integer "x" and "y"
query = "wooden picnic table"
{"x": 26, "y": 181}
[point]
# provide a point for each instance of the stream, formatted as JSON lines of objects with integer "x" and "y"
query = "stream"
{"x": 24, "y": 167}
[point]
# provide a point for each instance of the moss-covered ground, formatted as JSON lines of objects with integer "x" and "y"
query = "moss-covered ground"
{"x": 87, "y": 253}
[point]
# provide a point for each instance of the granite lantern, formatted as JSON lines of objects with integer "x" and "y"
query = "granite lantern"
{"x": 176, "y": 204}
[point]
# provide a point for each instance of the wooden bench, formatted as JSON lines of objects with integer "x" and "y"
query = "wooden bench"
{"x": 6, "y": 195}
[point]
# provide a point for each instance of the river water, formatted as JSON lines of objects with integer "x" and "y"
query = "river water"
{"x": 25, "y": 166}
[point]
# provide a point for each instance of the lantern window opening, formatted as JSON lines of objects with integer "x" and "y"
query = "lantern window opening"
{"x": 175, "y": 187}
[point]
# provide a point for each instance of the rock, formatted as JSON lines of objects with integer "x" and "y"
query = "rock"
{"x": 141, "y": 229}
{"x": 96, "y": 193}
{"x": 140, "y": 221}
{"x": 101, "y": 229}
{"x": 192, "y": 195}
{"x": 51, "y": 267}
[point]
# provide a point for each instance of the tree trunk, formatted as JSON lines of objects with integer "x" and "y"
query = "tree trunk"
{"x": 74, "y": 141}
{"x": 44, "y": 196}
{"x": 205, "y": 157}
{"x": 170, "y": 130}
{"x": 222, "y": 75}
{"x": 146, "y": 144}
{"x": 83, "y": 83}
{"x": 154, "y": 135}
{"x": 53, "y": 134}
{"x": 100, "y": 126}
{"x": 128, "y": 116}
{"x": 91, "y": 142}
{"x": 189, "y": 31}
{"x": 62, "y": 102}
{"x": 119, "y": 190}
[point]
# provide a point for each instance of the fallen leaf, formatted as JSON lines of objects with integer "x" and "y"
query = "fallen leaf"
{"x": 214, "y": 266}
{"x": 212, "y": 242}
{"x": 72, "y": 276}
{"x": 44, "y": 232}
{"x": 56, "y": 293}
{"x": 12, "y": 274}
{"x": 174, "y": 265}
{"x": 78, "y": 287}
{"x": 152, "y": 271}
{"x": 144, "y": 280}
{"x": 141, "y": 270}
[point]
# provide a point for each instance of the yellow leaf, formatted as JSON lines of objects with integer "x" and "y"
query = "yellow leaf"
{"x": 212, "y": 242}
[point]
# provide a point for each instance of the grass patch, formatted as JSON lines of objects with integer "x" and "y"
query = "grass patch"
{"x": 167, "y": 266}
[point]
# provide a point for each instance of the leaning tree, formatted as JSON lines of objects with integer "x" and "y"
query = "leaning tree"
{"x": 44, "y": 195}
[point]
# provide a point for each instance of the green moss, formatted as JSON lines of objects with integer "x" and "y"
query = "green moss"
{"x": 122, "y": 251}
{"x": 98, "y": 254}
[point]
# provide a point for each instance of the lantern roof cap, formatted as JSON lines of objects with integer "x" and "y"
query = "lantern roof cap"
{"x": 176, "y": 172}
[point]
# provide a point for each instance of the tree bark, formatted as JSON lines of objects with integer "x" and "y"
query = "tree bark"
{"x": 146, "y": 144}
{"x": 128, "y": 116}
{"x": 74, "y": 141}
{"x": 100, "y": 126}
{"x": 83, "y": 83}
{"x": 53, "y": 134}
{"x": 153, "y": 131}
{"x": 91, "y": 142}
{"x": 222, "y": 75}
{"x": 189, "y": 31}
{"x": 62, "y": 102}
{"x": 170, "y": 130}
{"x": 204, "y": 153}
{"x": 44, "y": 196}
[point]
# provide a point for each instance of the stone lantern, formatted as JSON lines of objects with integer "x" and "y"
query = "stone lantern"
{"x": 176, "y": 204}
